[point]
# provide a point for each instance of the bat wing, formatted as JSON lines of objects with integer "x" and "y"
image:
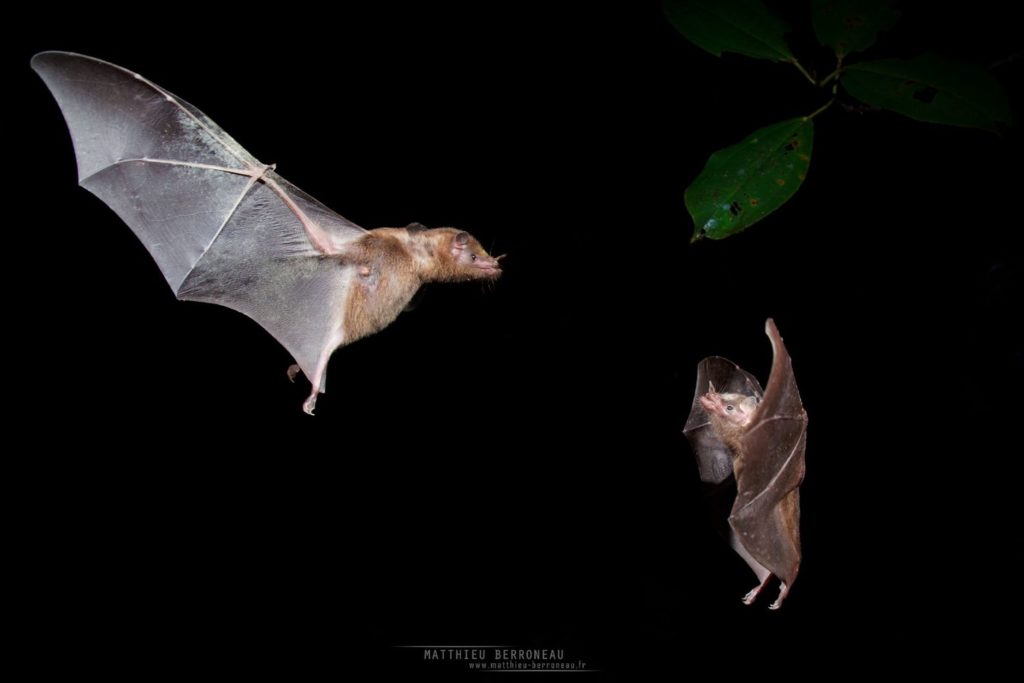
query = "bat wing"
{"x": 713, "y": 457}
{"x": 766, "y": 513}
{"x": 222, "y": 227}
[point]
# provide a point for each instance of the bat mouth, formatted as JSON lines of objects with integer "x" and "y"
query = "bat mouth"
{"x": 488, "y": 269}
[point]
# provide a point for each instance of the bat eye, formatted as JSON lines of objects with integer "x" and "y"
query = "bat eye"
{"x": 473, "y": 257}
{"x": 729, "y": 408}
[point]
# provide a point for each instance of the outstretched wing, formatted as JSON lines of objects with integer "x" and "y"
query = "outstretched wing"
{"x": 222, "y": 227}
{"x": 713, "y": 457}
{"x": 766, "y": 514}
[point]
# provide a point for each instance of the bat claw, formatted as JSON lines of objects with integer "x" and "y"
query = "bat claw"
{"x": 309, "y": 405}
{"x": 751, "y": 596}
{"x": 293, "y": 371}
{"x": 783, "y": 592}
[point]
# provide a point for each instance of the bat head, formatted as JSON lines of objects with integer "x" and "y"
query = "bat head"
{"x": 736, "y": 409}
{"x": 469, "y": 260}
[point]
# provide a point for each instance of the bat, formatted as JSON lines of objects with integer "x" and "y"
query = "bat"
{"x": 226, "y": 229}
{"x": 758, "y": 438}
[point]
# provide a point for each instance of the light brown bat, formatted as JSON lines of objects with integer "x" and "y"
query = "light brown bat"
{"x": 226, "y": 229}
{"x": 758, "y": 437}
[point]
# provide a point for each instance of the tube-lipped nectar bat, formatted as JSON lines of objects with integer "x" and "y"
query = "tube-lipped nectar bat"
{"x": 758, "y": 437}
{"x": 226, "y": 229}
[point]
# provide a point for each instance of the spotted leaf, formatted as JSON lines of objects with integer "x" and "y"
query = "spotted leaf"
{"x": 743, "y": 183}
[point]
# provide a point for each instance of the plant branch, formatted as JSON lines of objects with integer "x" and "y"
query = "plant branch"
{"x": 835, "y": 74}
{"x": 819, "y": 110}
{"x": 802, "y": 70}
{"x": 1009, "y": 59}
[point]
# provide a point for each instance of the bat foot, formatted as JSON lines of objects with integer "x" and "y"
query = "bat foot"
{"x": 309, "y": 404}
{"x": 293, "y": 372}
{"x": 783, "y": 592}
{"x": 750, "y": 597}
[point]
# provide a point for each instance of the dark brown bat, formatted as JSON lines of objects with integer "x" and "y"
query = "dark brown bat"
{"x": 736, "y": 429}
{"x": 226, "y": 229}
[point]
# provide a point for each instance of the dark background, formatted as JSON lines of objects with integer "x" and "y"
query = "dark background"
{"x": 505, "y": 465}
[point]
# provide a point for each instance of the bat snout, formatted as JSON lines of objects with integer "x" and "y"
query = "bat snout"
{"x": 488, "y": 268}
{"x": 711, "y": 402}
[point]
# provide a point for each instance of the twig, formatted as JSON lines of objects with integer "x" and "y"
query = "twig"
{"x": 819, "y": 110}
{"x": 802, "y": 70}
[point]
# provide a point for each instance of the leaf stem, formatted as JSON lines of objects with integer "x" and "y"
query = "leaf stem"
{"x": 828, "y": 78}
{"x": 835, "y": 74}
{"x": 795, "y": 62}
{"x": 819, "y": 110}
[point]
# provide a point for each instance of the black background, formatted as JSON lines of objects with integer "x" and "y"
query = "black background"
{"x": 505, "y": 465}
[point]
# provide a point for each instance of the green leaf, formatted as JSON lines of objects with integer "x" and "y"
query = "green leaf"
{"x": 742, "y": 26}
{"x": 931, "y": 88}
{"x": 742, "y": 184}
{"x": 852, "y": 25}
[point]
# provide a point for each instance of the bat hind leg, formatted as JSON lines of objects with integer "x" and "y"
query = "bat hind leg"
{"x": 762, "y": 573}
{"x": 310, "y": 403}
{"x": 783, "y": 592}
{"x": 750, "y": 597}
{"x": 319, "y": 378}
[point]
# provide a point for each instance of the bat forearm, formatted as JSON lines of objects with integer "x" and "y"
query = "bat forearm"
{"x": 318, "y": 237}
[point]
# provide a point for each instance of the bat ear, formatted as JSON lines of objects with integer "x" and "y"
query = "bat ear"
{"x": 415, "y": 227}
{"x": 462, "y": 239}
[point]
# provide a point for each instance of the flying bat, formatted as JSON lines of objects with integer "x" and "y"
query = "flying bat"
{"x": 226, "y": 229}
{"x": 757, "y": 437}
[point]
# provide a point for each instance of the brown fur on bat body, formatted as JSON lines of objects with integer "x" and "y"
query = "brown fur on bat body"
{"x": 390, "y": 266}
{"x": 392, "y": 263}
{"x": 226, "y": 229}
{"x": 758, "y": 437}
